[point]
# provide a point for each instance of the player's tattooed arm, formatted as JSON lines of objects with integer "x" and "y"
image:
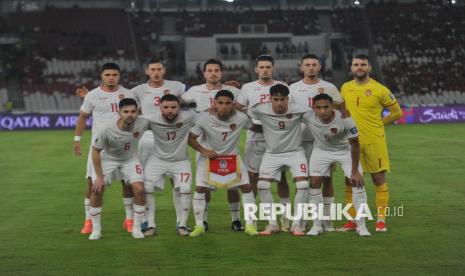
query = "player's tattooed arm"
{"x": 99, "y": 185}
{"x": 80, "y": 126}
{"x": 356, "y": 178}
{"x": 395, "y": 113}
{"x": 192, "y": 141}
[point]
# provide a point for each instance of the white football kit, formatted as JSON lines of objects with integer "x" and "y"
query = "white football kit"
{"x": 331, "y": 144}
{"x": 252, "y": 94}
{"x": 170, "y": 156}
{"x": 119, "y": 151}
{"x": 303, "y": 93}
{"x": 103, "y": 106}
{"x": 283, "y": 139}
{"x": 149, "y": 99}
{"x": 221, "y": 137}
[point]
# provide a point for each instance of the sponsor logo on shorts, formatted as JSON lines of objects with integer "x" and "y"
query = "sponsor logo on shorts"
{"x": 333, "y": 130}
{"x": 368, "y": 92}
{"x": 321, "y": 90}
{"x": 353, "y": 130}
{"x": 179, "y": 125}
{"x": 233, "y": 126}
{"x": 121, "y": 96}
{"x": 136, "y": 134}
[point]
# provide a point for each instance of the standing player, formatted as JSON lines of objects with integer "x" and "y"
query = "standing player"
{"x": 149, "y": 96}
{"x": 221, "y": 133}
{"x": 365, "y": 99}
{"x": 253, "y": 93}
{"x": 114, "y": 150}
{"x": 303, "y": 92}
{"x": 204, "y": 97}
{"x": 281, "y": 123}
{"x": 336, "y": 140}
{"x": 171, "y": 129}
{"x": 102, "y": 104}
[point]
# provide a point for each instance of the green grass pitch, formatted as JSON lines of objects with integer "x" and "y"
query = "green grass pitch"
{"x": 41, "y": 214}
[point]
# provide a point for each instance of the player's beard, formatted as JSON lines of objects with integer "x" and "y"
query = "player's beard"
{"x": 170, "y": 120}
{"x": 361, "y": 76}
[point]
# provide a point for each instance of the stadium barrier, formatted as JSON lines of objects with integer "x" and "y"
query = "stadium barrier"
{"x": 38, "y": 121}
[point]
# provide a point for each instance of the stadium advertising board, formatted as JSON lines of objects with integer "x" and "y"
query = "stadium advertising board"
{"x": 32, "y": 121}
{"x": 36, "y": 121}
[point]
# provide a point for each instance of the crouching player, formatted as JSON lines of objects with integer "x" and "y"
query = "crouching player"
{"x": 114, "y": 150}
{"x": 220, "y": 164}
{"x": 336, "y": 140}
{"x": 171, "y": 128}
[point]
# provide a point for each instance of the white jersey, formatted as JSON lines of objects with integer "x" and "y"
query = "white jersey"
{"x": 334, "y": 135}
{"x": 171, "y": 137}
{"x": 303, "y": 93}
{"x": 117, "y": 144}
{"x": 221, "y": 136}
{"x": 103, "y": 106}
{"x": 252, "y": 94}
{"x": 204, "y": 98}
{"x": 282, "y": 132}
{"x": 149, "y": 97}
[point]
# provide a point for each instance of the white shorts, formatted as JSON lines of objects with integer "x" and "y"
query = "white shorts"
{"x": 273, "y": 164}
{"x": 90, "y": 168}
{"x": 308, "y": 147}
{"x": 321, "y": 160}
{"x": 130, "y": 170}
{"x": 156, "y": 169}
{"x": 254, "y": 151}
{"x": 201, "y": 174}
{"x": 146, "y": 147}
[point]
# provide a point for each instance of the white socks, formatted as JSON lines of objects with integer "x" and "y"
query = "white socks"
{"x": 359, "y": 196}
{"x": 86, "y": 207}
{"x": 150, "y": 210}
{"x": 248, "y": 198}
{"x": 264, "y": 192}
{"x": 235, "y": 208}
{"x": 316, "y": 197}
{"x": 177, "y": 203}
{"x": 95, "y": 214}
{"x": 185, "y": 206}
{"x": 139, "y": 212}
{"x": 199, "y": 205}
{"x": 128, "y": 201}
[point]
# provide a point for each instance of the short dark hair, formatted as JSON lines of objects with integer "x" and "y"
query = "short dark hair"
{"x": 169, "y": 98}
{"x": 126, "y": 102}
{"x": 264, "y": 58}
{"x": 361, "y": 56}
{"x": 279, "y": 90}
{"x": 322, "y": 96}
{"x": 310, "y": 56}
{"x": 109, "y": 66}
{"x": 154, "y": 60}
{"x": 213, "y": 61}
{"x": 224, "y": 93}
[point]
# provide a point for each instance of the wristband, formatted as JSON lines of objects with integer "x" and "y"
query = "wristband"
{"x": 77, "y": 138}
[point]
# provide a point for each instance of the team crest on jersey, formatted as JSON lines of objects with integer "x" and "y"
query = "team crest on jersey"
{"x": 136, "y": 134}
{"x": 179, "y": 125}
{"x": 166, "y": 91}
{"x": 232, "y": 127}
{"x": 333, "y": 130}
{"x": 223, "y": 164}
{"x": 289, "y": 116}
{"x": 321, "y": 90}
{"x": 368, "y": 92}
{"x": 121, "y": 96}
